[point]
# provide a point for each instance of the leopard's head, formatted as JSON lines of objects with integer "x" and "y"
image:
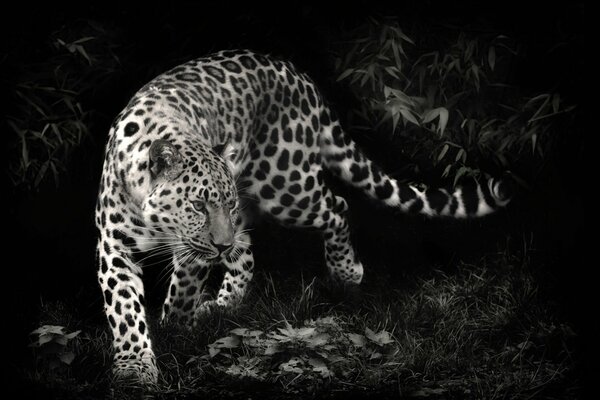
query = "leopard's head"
{"x": 193, "y": 204}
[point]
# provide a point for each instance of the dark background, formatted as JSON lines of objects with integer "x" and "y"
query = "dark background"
{"x": 51, "y": 236}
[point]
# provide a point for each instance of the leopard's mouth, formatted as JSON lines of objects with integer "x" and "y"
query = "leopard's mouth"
{"x": 202, "y": 251}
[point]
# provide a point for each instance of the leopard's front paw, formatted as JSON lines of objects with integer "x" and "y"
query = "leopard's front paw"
{"x": 205, "y": 309}
{"x": 137, "y": 369}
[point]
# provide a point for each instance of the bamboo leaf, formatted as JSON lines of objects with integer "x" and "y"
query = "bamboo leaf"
{"x": 391, "y": 71}
{"x": 431, "y": 115}
{"x": 443, "y": 120}
{"x": 492, "y": 57}
{"x": 41, "y": 173}
{"x": 84, "y": 39}
{"x": 446, "y": 170}
{"x": 443, "y": 152}
{"x": 67, "y": 357}
{"x": 405, "y": 38}
{"x": 461, "y": 172}
{"x": 407, "y": 114}
{"x": 536, "y": 98}
{"x": 396, "y": 55}
{"x": 555, "y": 102}
{"x": 345, "y": 74}
{"x": 395, "y": 119}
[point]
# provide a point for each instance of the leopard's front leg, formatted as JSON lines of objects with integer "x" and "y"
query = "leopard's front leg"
{"x": 239, "y": 267}
{"x": 123, "y": 291}
{"x": 186, "y": 289}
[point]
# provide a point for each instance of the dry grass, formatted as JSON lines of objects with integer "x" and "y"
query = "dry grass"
{"x": 481, "y": 332}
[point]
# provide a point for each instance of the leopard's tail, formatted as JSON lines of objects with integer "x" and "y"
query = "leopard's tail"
{"x": 348, "y": 163}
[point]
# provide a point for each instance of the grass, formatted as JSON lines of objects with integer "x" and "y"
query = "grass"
{"x": 482, "y": 331}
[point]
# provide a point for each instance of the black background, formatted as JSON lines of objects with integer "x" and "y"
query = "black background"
{"x": 49, "y": 253}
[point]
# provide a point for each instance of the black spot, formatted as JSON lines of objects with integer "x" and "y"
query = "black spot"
{"x": 406, "y": 193}
{"x": 308, "y": 136}
{"x": 103, "y": 266}
{"x": 111, "y": 282}
{"x": 359, "y": 173}
{"x": 267, "y": 192}
{"x": 260, "y": 175}
{"x": 123, "y": 328}
{"x": 295, "y": 176}
{"x": 118, "y": 262}
{"x": 384, "y": 191}
{"x": 315, "y": 198}
{"x": 470, "y": 198}
{"x": 297, "y": 158}
{"x": 142, "y": 327}
{"x": 295, "y": 189}
{"x": 265, "y": 166}
{"x": 116, "y": 218}
{"x": 131, "y": 128}
{"x": 124, "y": 293}
{"x": 283, "y": 161}
{"x": 270, "y": 151}
{"x": 299, "y": 134}
{"x": 288, "y": 135}
{"x": 276, "y": 210}
{"x": 188, "y": 306}
{"x": 416, "y": 206}
{"x": 303, "y": 203}
{"x": 436, "y": 199}
{"x": 231, "y": 67}
{"x": 305, "y": 108}
{"x": 134, "y": 337}
{"x": 285, "y": 121}
{"x": 130, "y": 320}
{"x": 487, "y": 196}
{"x": 309, "y": 184}
{"x": 453, "y": 205}
{"x": 137, "y": 222}
{"x": 216, "y": 73}
{"x": 286, "y": 199}
{"x": 127, "y": 241}
{"x": 108, "y": 297}
{"x": 278, "y": 181}
{"x": 191, "y": 291}
{"x": 111, "y": 321}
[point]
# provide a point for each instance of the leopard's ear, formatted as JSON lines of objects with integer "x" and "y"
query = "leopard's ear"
{"x": 165, "y": 159}
{"x": 227, "y": 152}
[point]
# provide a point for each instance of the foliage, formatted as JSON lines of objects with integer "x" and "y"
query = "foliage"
{"x": 448, "y": 99}
{"x": 320, "y": 349}
{"x": 53, "y": 346}
{"x": 483, "y": 331}
{"x": 49, "y": 118}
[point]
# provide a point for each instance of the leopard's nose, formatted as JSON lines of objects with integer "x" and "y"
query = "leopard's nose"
{"x": 223, "y": 247}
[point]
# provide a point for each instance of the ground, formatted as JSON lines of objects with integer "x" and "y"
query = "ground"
{"x": 480, "y": 329}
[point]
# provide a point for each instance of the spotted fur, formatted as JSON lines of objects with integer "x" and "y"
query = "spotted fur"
{"x": 175, "y": 158}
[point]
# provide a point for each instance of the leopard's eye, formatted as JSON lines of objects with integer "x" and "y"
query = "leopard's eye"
{"x": 233, "y": 207}
{"x": 199, "y": 206}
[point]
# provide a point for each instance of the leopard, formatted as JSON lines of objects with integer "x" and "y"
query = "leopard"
{"x": 196, "y": 143}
